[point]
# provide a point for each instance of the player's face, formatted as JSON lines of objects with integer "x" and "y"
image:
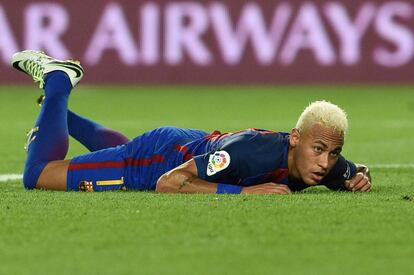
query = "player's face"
{"x": 314, "y": 152}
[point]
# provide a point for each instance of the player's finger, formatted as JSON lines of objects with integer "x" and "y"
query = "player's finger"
{"x": 355, "y": 180}
{"x": 278, "y": 189}
{"x": 284, "y": 187}
{"x": 286, "y": 190}
{"x": 368, "y": 174}
{"x": 363, "y": 169}
{"x": 282, "y": 191}
{"x": 360, "y": 184}
{"x": 347, "y": 184}
{"x": 366, "y": 187}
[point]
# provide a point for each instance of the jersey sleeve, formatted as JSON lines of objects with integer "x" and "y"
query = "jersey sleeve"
{"x": 342, "y": 171}
{"x": 221, "y": 166}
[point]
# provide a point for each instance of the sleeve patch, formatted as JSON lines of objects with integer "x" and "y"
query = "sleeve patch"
{"x": 347, "y": 173}
{"x": 217, "y": 162}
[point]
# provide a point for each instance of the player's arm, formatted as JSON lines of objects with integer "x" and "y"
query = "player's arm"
{"x": 184, "y": 179}
{"x": 347, "y": 176}
{"x": 362, "y": 181}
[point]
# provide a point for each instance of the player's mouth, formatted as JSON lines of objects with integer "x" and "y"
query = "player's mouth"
{"x": 318, "y": 176}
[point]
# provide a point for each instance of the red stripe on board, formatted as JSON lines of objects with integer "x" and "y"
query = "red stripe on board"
{"x": 117, "y": 164}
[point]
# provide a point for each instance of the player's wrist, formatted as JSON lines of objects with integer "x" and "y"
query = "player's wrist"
{"x": 228, "y": 189}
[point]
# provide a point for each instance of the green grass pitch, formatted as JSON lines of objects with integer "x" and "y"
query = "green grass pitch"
{"x": 314, "y": 232}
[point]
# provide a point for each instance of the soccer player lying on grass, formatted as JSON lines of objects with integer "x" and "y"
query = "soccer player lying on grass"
{"x": 176, "y": 160}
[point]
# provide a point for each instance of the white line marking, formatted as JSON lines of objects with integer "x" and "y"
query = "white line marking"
{"x": 392, "y": 166}
{"x": 7, "y": 177}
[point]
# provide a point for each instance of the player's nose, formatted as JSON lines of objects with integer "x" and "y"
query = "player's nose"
{"x": 323, "y": 161}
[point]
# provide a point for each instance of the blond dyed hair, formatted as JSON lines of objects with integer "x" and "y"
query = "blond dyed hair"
{"x": 325, "y": 113}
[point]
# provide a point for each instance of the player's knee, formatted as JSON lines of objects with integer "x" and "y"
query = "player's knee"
{"x": 31, "y": 175}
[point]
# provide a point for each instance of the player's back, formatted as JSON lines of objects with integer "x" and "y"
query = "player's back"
{"x": 216, "y": 140}
{"x": 158, "y": 151}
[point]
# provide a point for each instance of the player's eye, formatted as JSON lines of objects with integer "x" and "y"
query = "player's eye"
{"x": 335, "y": 153}
{"x": 317, "y": 149}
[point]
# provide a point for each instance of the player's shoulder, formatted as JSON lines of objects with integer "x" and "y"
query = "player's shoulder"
{"x": 254, "y": 135}
{"x": 250, "y": 140}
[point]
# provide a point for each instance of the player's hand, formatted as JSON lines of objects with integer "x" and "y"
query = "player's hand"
{"x": 365, "y": 170}
{"x": 267, "y": 188}
{"x": 361, "y": 181}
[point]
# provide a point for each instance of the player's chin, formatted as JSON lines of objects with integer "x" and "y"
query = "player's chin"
{"x": 312, "y": 179}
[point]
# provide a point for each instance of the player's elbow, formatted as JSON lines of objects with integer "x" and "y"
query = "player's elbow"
{"x": 163, "y": 185}
{"x": 168, "y": 183}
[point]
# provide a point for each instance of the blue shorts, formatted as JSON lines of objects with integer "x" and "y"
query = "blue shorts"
{"x": 136, "y": 165}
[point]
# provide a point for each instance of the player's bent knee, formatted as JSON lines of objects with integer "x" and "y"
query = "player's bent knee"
{"x": 32, "y": 173}
{"x": 46, "y": 175}
{"x": 54, "y": 175}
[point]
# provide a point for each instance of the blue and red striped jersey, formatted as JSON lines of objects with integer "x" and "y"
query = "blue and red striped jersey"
{"x": 255, "y": 156}
{"x": 245, "y": 158}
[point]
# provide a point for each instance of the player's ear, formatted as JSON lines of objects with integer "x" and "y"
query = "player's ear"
{"x": 294, "y": 137}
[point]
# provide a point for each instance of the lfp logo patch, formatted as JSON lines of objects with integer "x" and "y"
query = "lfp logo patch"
{"x": 218, "y": 161}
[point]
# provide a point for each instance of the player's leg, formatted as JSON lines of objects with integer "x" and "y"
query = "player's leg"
{"x": 91, "y": 134}
{"x": 47, "y": 144}
{"x": 49, "y": 141}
